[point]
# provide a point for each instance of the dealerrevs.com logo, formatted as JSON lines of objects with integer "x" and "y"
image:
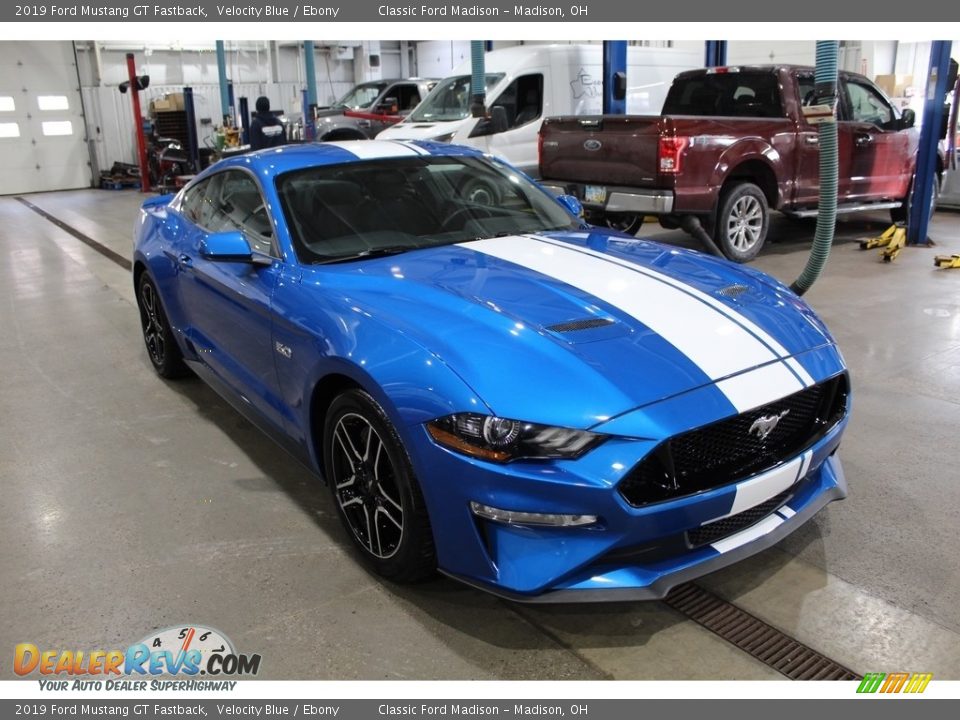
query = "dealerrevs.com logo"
{"x": 184, "y": 651}
{"x": 897, "y": 682}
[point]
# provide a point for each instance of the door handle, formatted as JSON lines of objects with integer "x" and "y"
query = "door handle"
{"x": 812, "y": 139}
{"x": 864, "y": 139}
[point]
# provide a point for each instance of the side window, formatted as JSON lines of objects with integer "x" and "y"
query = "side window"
{"x": 805, "y": 87}
{"x": 408, "y": 97}
{"x": 233, "y": 202}
{"x": 523, "y": 100}
{"x": 867, "y": 106}
{"x": 192, "y": 205}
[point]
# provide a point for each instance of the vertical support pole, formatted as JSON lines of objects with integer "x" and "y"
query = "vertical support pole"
{"x": 921, "y": 205}
{"x": 309, "y": 127}
{"x": 716, "y": 53}
{"x": 614, "y": 77}
{"x": 244, "y": 121}
{"x": 138, "y": 124}
{"x": 310, "y": 99}
{"x": 193, "y": 147}
{"x": 478, "y": 84}
{"x": 224, "y": 90}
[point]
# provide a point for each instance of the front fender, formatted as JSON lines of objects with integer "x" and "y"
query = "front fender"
{"x": 411, "y": 383}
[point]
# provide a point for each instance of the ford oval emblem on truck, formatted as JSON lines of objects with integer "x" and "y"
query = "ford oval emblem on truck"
{"x": 592, "y": 144}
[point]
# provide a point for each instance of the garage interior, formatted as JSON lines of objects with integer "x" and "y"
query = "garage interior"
{"x": 134, "y": 504}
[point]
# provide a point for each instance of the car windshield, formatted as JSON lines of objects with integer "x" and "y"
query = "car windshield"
{"x": 361, "y": 97}
{"x": 338, "y": 213}
{"x": 450, "y": 99}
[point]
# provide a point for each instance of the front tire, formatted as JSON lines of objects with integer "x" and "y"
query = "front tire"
{"x": 902, "y": 213}
{"x": 480, "y": 192}
{"x": 743, "y": 218}
{"x": 162, "y": 348}
{"x": 374, "y": 489}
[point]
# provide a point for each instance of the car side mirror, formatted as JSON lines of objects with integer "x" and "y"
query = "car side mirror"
{"x": 231, "y": 246}
{"x": 908, "y": 119}
{"x": 572, "y": 204}
{"x": 952, "y": 71}
{"x": 388, "y": 106}
{"x": 498, "y": 119}
{"x": 619, "y": 85}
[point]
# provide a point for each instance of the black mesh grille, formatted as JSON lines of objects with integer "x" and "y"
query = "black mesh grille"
{"x": 737, "y": 448}
{"x": 584, "y": 324}
{"x": 719, "y": 529}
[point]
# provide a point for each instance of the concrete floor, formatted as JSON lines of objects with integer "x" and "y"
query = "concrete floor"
{"x": 130, "y": 503}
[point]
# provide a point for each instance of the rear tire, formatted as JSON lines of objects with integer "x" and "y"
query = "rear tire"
{"x": 743, "y": 218}
{"x": 375, "y": 491}
{"x": 624, "y": 222}
{"x": 162, "y": 348}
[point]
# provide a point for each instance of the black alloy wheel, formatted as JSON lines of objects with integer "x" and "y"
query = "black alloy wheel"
{"x": 376, "y": 494}
{"x": 162, "y": 348}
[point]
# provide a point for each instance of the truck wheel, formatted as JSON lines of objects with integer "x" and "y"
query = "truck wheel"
{"x": 902, "y": 213}
{"x": 624, "y": 222}
{"x": 743, "y": 218}
{"x": 479, "y": 192}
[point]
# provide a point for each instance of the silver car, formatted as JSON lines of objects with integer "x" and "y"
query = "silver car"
{"x": 373, "y": 106}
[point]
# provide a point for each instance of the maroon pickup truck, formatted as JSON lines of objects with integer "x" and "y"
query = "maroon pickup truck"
{"x": 731, "y": 144}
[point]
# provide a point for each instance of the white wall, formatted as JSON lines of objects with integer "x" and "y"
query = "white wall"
{"x": 767, "y": 52}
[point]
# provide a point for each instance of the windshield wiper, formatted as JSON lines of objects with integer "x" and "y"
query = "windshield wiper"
{"x": 369, "y": 254}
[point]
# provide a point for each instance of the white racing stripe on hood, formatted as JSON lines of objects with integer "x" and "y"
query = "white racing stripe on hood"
{"x": 373, "y": 149}
{"x": 710, "y": 339}
{"x": 713, "y": 302}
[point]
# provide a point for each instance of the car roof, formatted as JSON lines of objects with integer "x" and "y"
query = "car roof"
{"x": 275, "y": 161}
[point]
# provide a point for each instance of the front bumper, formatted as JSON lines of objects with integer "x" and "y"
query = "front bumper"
{"x": 627, "y": 200}
{"x": 653, "y": 582}
{"x": 631, "y": 553}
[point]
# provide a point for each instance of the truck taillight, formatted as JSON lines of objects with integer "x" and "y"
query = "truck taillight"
{"x": 669, "y": 152}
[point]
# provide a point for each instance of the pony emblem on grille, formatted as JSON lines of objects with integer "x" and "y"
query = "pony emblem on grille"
{"x": 765, "y": 425}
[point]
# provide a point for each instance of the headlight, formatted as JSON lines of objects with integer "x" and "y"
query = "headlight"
{"x": 502, "y": 440}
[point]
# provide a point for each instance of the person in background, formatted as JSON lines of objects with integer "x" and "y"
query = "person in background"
{"x": 266, "y": 130}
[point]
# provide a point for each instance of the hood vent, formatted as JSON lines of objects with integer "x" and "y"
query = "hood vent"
{"x": 582, "y": 324}
{"x": 733, "y": 291}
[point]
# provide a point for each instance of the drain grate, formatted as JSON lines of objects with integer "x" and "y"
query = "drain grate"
{"x": 755, "y": 637}
{"x": 111, "y": 255}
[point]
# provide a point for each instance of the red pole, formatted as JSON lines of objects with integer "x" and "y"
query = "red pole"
{"x": 138, "y": 122}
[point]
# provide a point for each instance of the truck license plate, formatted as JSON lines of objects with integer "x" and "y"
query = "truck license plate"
{"x": 595, "y": 194}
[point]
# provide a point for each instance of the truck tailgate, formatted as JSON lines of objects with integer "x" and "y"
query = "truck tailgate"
{"x": 612, "y": 149}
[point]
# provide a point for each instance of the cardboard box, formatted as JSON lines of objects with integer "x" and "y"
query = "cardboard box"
{"x": 168, "y": 103}
{"x": 160, "y": 105}
{"x": 894, "y": 85}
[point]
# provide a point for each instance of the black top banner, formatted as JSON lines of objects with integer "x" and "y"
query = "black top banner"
{"x": 577, "y": 11}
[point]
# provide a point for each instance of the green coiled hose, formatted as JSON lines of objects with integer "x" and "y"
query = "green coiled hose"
{"x": 826, "y": 93}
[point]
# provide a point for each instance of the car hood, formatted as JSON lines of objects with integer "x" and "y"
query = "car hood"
{"x": 575, "y": 328}
{"x": 408, "y": 130}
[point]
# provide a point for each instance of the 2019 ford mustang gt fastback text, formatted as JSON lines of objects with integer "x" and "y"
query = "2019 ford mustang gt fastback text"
{"x": 543, "y": 409}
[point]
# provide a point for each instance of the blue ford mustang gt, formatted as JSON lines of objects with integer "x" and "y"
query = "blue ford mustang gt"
{"x": 491, "y": 388}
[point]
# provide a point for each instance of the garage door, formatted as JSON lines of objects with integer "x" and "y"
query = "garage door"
{"x": 42, "y": 137}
